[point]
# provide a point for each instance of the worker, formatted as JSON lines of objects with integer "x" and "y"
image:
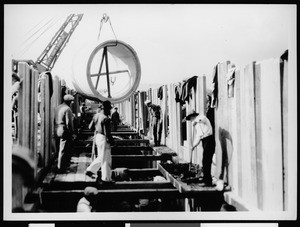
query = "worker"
{"x": 204, "y": 133}
{"x": 64, "y": 132}
{"x": 156, "y": 114}
{"x": 83, "y": 109}
{"x": 89, "y": 200}
{"x": 115, "y": 118}
{"x": 103, "y": 140}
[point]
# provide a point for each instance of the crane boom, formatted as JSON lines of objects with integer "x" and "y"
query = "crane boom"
{"x": 49, "y": 56}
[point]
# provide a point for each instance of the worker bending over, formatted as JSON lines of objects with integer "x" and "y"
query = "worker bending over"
{"x": 204, "y": 132}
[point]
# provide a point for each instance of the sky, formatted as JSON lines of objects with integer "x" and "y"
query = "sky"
{"x": 172, "y": 42}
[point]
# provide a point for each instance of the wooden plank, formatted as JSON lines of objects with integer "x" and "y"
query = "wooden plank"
{"x": 183, "y": 187}
{"x": 271, "y": 135}
{"x": 115, "y": 194}
{"x": 250, "y": 144}
{"x": 246, "y": 169}
{"x": 238, "y": 130}
{"x": 27, "y": 107}
{"x": 132, "y": 141}
{"x": 150, "y": 172}
{"x": 235, "y": 122}
{"x": 35, "y": 120}
{"x": 75, "y": 185}
{"x": 20, "y": 105}
{"x": 82, "y": 164}
{"x": 284, "y": 85}
{"x": 47, "y": 121}
{"x": 259, "y": 166}
{"x": 42, "y": 116}
{"x": 141, "y": 157}
{"x": 135, "y": 148}
{"x": 118, "y": 133}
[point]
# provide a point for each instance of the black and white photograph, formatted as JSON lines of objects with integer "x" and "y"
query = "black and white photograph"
{"x": 136, "y": 112}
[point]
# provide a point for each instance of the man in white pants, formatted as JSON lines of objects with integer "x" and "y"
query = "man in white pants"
{"x": 103, "y": 141}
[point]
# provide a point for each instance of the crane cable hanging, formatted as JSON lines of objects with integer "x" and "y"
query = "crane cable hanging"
{"x": 104, "y": 19}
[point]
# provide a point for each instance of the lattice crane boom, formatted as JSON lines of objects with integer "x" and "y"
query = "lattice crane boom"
{"x": 49, "y": 56}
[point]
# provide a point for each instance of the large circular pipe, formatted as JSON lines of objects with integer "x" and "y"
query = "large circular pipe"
{"x": 112, "y": 72}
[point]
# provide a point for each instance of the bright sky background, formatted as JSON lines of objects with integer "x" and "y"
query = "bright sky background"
{"x": 172, "y": 42}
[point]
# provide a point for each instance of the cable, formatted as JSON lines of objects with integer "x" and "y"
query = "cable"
{"x": 30, "y": 44}
{"x": 104, "y": 19}
{"x": 38, "y": 30}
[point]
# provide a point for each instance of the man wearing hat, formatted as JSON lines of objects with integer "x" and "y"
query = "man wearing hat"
{"x": 156, "y": 114}
{"x": 115, "y": 118}
{"x": 103, "y": 140}
{"x": 204, "y": 132}
{"x": 64, "y": 129}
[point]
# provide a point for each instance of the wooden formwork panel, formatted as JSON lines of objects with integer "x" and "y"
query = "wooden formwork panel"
{"x": 269, "y": 135}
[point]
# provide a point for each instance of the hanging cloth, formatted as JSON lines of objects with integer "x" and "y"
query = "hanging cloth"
{"x": 178, "y": 89}
{"x": 187, "y": 88}
{"x": 214, "y": 100}
{"x": 160, "y": 92}
{"x": 191, "y": 83}
{"x": 230, "y": 76}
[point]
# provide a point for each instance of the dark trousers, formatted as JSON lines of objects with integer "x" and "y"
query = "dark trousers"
{"x": 157, "y": 129}
{"x": 208, "y": 144}
{"x": 115, "y": 126}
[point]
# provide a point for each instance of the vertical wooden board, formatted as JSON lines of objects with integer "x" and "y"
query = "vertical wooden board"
{"x": 271, "y": 135}
{"x": 35, "y": 121}
{"x": 229, "y": 133}
{"x": 42, "y": 115}
{"x": 170, "y": 116}
{"x": 27, "y": 117}
{"x": 218, "y": 120}
{"x": 234, "y": 158}
{"x": 200, "y": 97}
{"x": 222, "y": 115}
{"x": 21, "y": 104}
{"x": 244, "y": 149}
{"x": 165, "y": 99}
{"x": 47, "y": 120}
{"x": 250, "y": 134}
{"x": 179, "y": 128}
{"x": 238, "y": 130}
{"x": 187, "y": 142}
{"x": 285, "y": 130}
{"x": 201, "y": 94}
{"x": 259, "y": 167}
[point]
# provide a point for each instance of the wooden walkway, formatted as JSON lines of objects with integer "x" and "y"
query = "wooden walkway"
{"x": 143, "y": 165}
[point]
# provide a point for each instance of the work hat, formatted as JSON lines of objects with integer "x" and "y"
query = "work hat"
{"x": 68, "y": 97}
{"x": 90, "y": 192}
{"x": 191, "y": 114}
{"x": 147, "y": 102}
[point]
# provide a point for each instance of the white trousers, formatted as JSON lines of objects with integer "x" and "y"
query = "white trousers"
{"x": 103, "y": 159}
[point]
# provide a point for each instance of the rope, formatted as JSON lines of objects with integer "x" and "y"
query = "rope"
{"x": 104, "y": 19}
{"x": 24, "y": 50}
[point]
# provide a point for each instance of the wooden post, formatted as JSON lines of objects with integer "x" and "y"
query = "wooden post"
{"x": 284, "y": 93}
{"x": 34, "y": 124}
{"x": 268, "y": 131}
{"x": 249, "y": 134}
{"x": 238, "y": 131}
{"x": 42, "y": 115}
